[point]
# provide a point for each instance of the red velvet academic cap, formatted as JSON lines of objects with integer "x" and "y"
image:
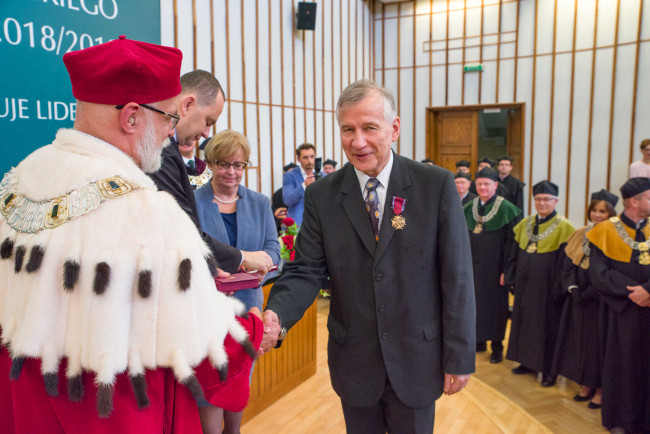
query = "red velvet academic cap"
{"x": 123, "y": 71}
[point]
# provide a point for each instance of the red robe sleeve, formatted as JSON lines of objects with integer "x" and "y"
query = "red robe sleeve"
{"x": 232, "y": 395}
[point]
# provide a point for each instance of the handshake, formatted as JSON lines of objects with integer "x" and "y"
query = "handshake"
{"x": 272, "y": 330}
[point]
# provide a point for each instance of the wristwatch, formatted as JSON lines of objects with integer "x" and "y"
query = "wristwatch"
{"x": 283, "y": 334}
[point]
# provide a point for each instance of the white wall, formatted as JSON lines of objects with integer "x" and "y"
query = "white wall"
{"x": 281, "y": 84}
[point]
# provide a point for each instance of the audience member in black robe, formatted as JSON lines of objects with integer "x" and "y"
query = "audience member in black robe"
{"x": 490, "y": 220}
{"x": 463, "y": 181}
{"x": 200, "y": 104}
{"x": 620, "y": 272}
{"x": 514, "y": 187}
{"x": 278, "y": 206}
{"x": 538, "y": 299}
{"x": 579, "y": 344}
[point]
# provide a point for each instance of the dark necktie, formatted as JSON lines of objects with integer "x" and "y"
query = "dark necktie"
{"x": 372, "y": 204}
{"x": 191, "y": 168}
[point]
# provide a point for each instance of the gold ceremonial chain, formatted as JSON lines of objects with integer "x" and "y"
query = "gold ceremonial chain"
{"x": 199, "y": 180}
{"x": 532, "y": 248}
{"x": 480, "y": 220}
{"x": 642, "y": 247}
{"x": 28, "y": 216}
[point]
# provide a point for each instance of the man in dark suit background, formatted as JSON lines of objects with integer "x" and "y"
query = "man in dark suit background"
{"x": 200, "y": 104}
{"x": 390, "y": 234}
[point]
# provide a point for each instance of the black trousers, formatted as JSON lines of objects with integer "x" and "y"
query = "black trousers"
{"x": 390, "y": 415}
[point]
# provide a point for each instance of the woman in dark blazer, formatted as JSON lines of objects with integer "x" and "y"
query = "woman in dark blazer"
{"x": 235, "y": 215}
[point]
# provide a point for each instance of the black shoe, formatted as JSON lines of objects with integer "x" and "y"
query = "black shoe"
{"x": 480, "y": 347}
{"x": 521, "y": 369}
{"x": 580, "y": 398}
{"x": 593, "y": 405}
{"x": 548, "y": 380}
{"x": 496, "y": 357}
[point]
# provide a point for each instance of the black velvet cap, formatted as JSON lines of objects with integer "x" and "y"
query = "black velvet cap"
{"x": 487, "y": 160}
{"x": 545, "y": 187}
{"x": 467, "y": 176}
{"x": 606, "y": 196}
{"x": 330, "y": 162}
{"x": 634, "y": 186}
{"x": 463, "y": 163}
{"x": 486, "y": 172}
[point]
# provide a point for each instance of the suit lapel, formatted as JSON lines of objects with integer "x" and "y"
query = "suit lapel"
{"x": 354, "y": 206}
{"x": 399, "y": 182}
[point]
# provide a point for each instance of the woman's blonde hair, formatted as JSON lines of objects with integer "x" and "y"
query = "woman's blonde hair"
{"x": 225, "y": 144}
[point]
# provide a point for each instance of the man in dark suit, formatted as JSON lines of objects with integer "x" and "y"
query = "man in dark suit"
{"x": 200, "y": 104}
{"x": 390, "y": 234}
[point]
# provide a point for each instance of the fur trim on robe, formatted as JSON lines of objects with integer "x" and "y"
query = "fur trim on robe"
{"x": 124, "y": 308}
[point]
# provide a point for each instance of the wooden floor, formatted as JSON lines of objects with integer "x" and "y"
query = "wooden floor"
{"x": 495, "y": 401}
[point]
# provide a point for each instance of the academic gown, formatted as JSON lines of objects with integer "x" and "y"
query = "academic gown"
{"x": 626, "y": 364}
{"x": 578, "y": 348}
{"x": 538, "y": 302}
{"x": 514, "y": 190}
{"x": 491, "y": 249}
{"x": 468, "y": 198}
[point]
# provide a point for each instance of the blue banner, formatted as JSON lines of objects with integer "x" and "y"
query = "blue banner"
{"x": 36, "y": 97}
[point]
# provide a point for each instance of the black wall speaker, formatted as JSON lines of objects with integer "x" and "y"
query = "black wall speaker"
{"x": 306, "y": 16}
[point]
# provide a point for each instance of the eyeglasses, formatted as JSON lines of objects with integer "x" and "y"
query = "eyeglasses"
{"x": 237, "y": 165}
{"x": 168, "y": 117}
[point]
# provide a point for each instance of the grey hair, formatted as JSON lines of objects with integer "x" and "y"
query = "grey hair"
{"x": 359, "y": 90}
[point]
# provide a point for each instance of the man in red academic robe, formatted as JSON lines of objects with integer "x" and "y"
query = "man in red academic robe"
{"x": 109, "y": 316}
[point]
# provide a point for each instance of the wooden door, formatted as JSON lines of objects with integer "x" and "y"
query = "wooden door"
{"x": 513, "y": 141}
{"x": 455, "y": 138}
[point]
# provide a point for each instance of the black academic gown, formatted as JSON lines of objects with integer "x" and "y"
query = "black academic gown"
{"x": 626, "y": 364}
{"x": 277, "y": 202}
{"x": 578, "y": 348}
{"x": 468, "y": 197}
{"x": 172, "y": 178}
{"x": 514, "y": 190}
{"x": 537, "y": 309}
{"x": 490, "y": 253}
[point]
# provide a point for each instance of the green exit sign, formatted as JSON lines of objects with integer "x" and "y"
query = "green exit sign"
{"x": 473, "y": 68}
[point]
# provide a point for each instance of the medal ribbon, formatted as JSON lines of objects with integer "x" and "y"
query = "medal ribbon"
{"x": 399, "y": 203}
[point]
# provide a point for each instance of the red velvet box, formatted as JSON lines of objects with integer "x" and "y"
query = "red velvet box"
{"x": 236, "y": 281}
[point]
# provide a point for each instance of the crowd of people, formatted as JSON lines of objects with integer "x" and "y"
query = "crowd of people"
{"x": 581, "y": 297}
{"x": 112, "y": 238}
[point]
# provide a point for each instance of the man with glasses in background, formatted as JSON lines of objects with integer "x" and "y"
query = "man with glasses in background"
{"x": 538, "y": 302}
{"x": 200, "y": 104}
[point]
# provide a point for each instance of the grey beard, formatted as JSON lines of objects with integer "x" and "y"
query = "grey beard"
{"x": 149, "y": 151}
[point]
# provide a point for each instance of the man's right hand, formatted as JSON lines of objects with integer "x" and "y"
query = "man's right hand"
{"x": 272, "y": 329}
{"x": 259, "y": 261}
{"x": 309, "y": 180}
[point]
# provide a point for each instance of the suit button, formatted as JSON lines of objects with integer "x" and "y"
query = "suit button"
{"x": 379, "y": 276}
{"x": 381, "y": 308}
{"x": 384, "y": 335}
